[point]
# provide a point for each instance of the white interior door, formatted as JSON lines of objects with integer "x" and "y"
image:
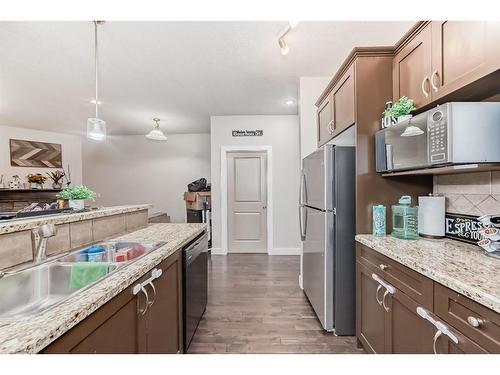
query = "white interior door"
{"x": 247, "y": 202}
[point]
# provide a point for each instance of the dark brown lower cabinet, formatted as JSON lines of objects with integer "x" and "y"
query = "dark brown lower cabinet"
{"x": 124, "y": 325}
{"x": 387, "y": 320}
{"x": 370, "y": 315}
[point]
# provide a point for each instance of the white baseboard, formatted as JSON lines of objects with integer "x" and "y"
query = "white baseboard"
{"x": 218, "y": 251}
{"x": 284, "y": 251}
{"x": 300, "y": 282}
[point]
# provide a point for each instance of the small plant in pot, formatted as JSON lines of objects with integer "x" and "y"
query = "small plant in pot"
{"x": 401, "y": 110}
{"x": 56, "y": 178}
{"x": 36, "y": 180}
{"x": 76, "y": 196}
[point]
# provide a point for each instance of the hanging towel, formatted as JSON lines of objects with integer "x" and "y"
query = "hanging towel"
{"x": 85, "y": 273}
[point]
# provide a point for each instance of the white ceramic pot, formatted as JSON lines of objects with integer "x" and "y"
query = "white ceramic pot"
{"x": 404, "y": 118}
{"x": 77, "y": 204}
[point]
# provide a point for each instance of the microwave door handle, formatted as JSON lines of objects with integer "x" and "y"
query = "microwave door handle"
{"x": 389, "y": 157}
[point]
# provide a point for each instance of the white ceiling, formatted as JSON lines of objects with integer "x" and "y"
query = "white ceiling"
{"x": 181, "y": 72}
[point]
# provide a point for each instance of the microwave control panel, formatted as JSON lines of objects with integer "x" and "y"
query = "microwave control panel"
{"x": 437, "y": 138}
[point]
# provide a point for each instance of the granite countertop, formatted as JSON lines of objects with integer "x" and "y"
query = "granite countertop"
{"x": 33, "y": 222}
{"x": 32, "y": 334}
{"x": 462, "y": 267}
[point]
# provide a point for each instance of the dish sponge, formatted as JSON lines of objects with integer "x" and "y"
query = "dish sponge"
{"x": 85, "y": 273}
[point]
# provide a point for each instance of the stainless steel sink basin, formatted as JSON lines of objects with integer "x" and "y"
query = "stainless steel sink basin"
{"x": 38, "y": 288}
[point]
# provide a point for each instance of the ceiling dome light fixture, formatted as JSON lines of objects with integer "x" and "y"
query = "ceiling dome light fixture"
{"x": 96, "y": 128}
{"x": 156, "y": 134}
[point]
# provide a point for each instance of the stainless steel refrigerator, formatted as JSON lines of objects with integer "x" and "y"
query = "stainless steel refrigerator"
{"x": 327, "y": 223}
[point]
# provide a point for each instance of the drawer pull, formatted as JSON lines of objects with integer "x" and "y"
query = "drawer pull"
{"x": 383, "y": 301}
{"x": 475, "y": 322}
{"x": 383, "y": 267}
{"x": 379, "y": 301}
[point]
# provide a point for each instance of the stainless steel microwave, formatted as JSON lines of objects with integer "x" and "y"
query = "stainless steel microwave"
{"x": 454, "y": 133}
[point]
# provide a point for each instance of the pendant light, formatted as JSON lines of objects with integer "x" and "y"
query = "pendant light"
{"x": 156, "y": 134}
{"x": 96, "y": 128}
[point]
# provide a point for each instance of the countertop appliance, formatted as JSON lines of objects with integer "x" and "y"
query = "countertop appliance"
{"x": 327, "y": 224}
{"x": 454, "y": 133}
{"x": 195, "y": 284}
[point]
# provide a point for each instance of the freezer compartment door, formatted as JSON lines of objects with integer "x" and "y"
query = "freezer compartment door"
{"x": 317, "y": 272}
{"x": 313, "y": 189}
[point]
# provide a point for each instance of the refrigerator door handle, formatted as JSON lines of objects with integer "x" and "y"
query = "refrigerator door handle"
{"x": 301, "y": 206}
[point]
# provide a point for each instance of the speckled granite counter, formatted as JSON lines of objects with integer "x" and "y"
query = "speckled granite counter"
{"x": 30, "y": 223}
{"x": 32, "y": 334}
{"x": 461, "y": 267}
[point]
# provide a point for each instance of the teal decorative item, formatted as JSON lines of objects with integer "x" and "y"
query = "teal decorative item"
{"x": 405, "y": 219}
{"x": 378, "y": 220}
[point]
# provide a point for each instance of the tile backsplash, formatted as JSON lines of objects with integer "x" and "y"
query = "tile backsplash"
{"x": 470, "y": 193}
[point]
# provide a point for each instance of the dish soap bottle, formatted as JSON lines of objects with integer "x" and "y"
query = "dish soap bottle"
{"x": 405, "y": 219}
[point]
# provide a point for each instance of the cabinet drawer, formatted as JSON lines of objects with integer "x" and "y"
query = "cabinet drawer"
{"x": 413, "y": 284}
{"x": 456, "y": 309}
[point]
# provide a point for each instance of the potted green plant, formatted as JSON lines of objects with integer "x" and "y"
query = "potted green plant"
{"x": 76, "y": 196}
{"x": 401, "y": 110}
{"x": 36, "y": 180}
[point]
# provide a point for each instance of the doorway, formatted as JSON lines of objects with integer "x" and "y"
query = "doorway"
{"x": 247, "y": 202}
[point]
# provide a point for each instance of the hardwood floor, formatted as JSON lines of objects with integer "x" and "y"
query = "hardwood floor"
{"x": 255, "y": 305}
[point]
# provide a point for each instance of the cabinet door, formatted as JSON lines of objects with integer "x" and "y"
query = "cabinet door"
{"x": 459, "y": 55}
{"x": 115, "y": 328}
{"x": 406, "y": 332}
{"x": 164, "y": 315}
{"x": 325, "y": 120}
{"x": 370, "y": 316}
{"x": 343, "y": 102}
{"x": 412, "y": 69}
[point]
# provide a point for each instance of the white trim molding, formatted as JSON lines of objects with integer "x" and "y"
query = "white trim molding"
{"x": 217, "y": 251}
{"x": 223, "y": 184}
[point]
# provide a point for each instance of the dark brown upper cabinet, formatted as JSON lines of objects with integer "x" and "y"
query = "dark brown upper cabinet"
{"x": 325, "y": 120}
{"x": 412, "y": 69}
{"x": 344, "y": 114}
{"x": 439, "y": 58}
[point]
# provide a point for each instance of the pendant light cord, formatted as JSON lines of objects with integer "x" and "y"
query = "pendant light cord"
{"x": 96, "y": 53}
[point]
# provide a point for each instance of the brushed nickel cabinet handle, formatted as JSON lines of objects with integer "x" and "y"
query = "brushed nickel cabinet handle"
{"x": 142, "y": 311}
{"x": 475, "y": 322}
{"x": 426, "y": 94}
{"x": 434, "y": 74}
{"x": 330, "y": 129}
{"x": 383, "y": 301}
{"x": 434, "y": 343}
{"x": 154, "y": 294}
{"x": 379, "y": 301}
{"x": 383, "y": 267}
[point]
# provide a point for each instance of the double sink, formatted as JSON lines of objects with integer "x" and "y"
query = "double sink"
{"x": 44, "y": 285}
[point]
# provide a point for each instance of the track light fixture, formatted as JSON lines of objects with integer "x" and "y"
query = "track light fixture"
{"x": 281, "y": 37}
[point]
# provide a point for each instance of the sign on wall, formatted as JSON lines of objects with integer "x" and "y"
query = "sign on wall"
{"x": 35, "y": 154}
{"x": 248, "y": 133}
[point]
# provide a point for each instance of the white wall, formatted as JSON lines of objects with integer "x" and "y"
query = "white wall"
{"x": 310, "y": 88}
{"x": 71, "y": 153}
{"x": 282, "y": 134}
{"x": 132, "y": 170}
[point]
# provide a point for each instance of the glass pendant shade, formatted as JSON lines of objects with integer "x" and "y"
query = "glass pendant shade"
{"x": 156, "y": 134}
{"x": 96, "y": 129}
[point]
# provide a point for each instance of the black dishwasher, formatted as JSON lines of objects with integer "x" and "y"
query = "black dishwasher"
{"x": 195, "y": 285}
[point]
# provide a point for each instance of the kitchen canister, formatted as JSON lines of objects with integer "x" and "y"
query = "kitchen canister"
{"x": 378, "y": 220}
{"x": 431, "y": 216}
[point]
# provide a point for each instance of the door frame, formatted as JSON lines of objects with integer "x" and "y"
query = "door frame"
{"x": 269, "y": 186}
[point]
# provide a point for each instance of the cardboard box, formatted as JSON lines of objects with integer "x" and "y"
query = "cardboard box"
{"x": 194, "y": 200}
